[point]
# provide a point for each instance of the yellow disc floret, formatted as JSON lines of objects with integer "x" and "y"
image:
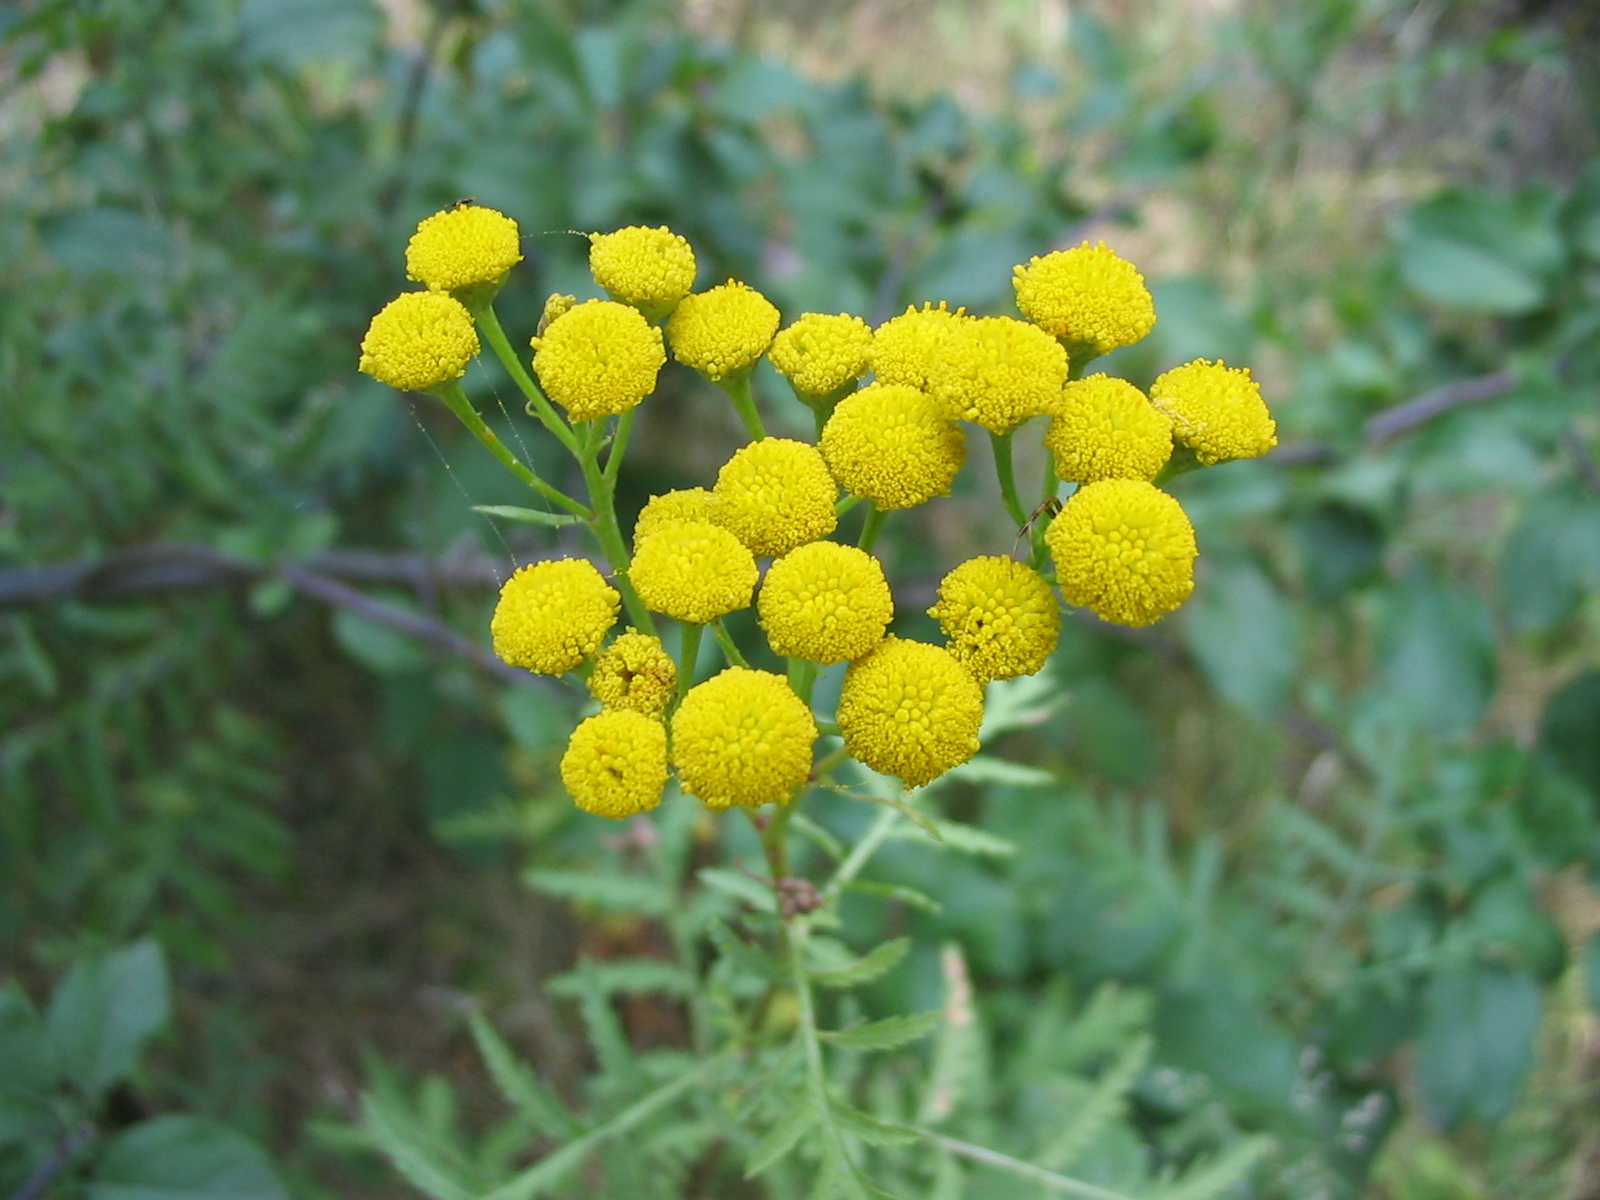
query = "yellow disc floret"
{"x": 552, "y": 615}
{"x": 672, "y": 508}
{"x": 997, "y": 372}
{"x": 693, "y": 571}
{"x": 1216, "y": 411}
{"x": 742, "y": 737}
{"x": 774, "y": 495}
{"x": 1123, "y": 549}
{"x": 825, "y": 602}
{"x": 892, "y": 444}
{"x": 821, "y": 355}
{"x": 635, "y": 673}
{"x": 1105, "y": 428}
{"x": 651, "y": 269}
{"x": 616, "y": 763}
{"x": 1000, "y": 617}
{"x": 1088, "y": 296}
{"x": 419, "y": 341}
{"x": 598, "y": 358}
{"x": 722, "y": 332}
{"x": 904, "y": 348}
{"x": 463, "y": 247}
{"x": 911, "y": 710}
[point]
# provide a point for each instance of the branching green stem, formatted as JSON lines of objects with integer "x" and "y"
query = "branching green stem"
{"x": 619, "y": 444}
{"x": 1001, "y": 442}
{"x": 725, "y": 640}
{"x": 745, "y": 405}
{"x": 458, "y": 403}
{"x": 537, "y": 404}
{"x": 795, "y": 933}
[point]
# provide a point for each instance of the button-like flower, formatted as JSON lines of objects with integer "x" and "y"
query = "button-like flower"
{"x": 911, "y": 710}
{"x": 1123, "y": 549}
{"x": 825, "y": 602}
{"x": 742, "y": 737}
{"x": 418, "y": 341}
{"x": 598, "y": 358}
{"x": 635, "y": 673}
{"x": 651, "y": 269}
{"x": 693, "y": 571}
{"x": 893, "y": 444}
{"x": 1105, "y": 428}
{"x": 462, "y": 247}
{"x": 997, "y": 372}
{"x": 616, "y": 763}
{"x": 722, "y": 332}
{"x": 820, "y": 354}
{"x": 552, "y": 615}
{"x": 1216, "y": 411}
{"x": 672, "y": 508}
{"x": 774, "y": 495}
{"x": 1089, "y": 296}
{"x": 904, "y": 348}
{"x": 1000, "y": 617}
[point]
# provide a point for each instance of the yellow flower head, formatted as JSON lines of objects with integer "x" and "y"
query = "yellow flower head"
{"x": 693, "y": 571}
{"x": 825, "y": 602}
{"x": 1000, "y": 617}
{"x": 904, "y": 348}
{"x": 555, "y": 304}
{"x": 1090, "y": 296}
{"x": 893, "y": 444}
{"x": 742, "y": 737}
{"x": 820, "y": 354}
{"x": 671, "y": 508}
{"x": 635, "y": 673}
{"x": 552, "y": 615}
{"x": 774, "y": 495}
{"x": 911, "y": 710}
{"x": 1216, "y": 411}
{"x": 1123, "y": 549}
{"x": 1105, "y": 428}
{"x": 598, "y": 358}
{"x": 463, "y": 247}
{"x": 651, "y": 269}
{"x": 616, "y": 763}
{"x": 722, "y": 332}
{"x": 997, "y": 372}
{"x": 418, "y": 341}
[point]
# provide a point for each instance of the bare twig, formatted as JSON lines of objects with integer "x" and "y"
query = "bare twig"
{"x": 1403, "y": 418}
{"x": 73, "y": 1143}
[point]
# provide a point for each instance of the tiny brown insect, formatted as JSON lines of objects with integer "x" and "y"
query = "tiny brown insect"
{"x": 466, "y": 200}
{"x": 1048, "y": 509}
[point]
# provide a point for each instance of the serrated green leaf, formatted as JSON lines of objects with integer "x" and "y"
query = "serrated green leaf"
{"x": 825, "y": 841}
{"x": 525, "y": 516}
{"x": 1102, "y": 1106}
{"x": 953, "y": 835}
{"x": 870, "y": 1129}
{"x": 752, "y": 891}
{"x": 518, "y": 1084}
{"x": 869, "y": 966}
{"x": 742, "y": 954}
{"x": 402, "y": 1140}
{"x": 613, "y": 893}
{"x": 782, "y": 1137}
{"x": 1209, "y": 1179}
{"x": 985, "y": 768}
{"x": 886, "y": 1034}
{"x": 895, "y": 891}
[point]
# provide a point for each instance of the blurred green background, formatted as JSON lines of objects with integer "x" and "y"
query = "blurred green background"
{"x": 1328, "y": 838}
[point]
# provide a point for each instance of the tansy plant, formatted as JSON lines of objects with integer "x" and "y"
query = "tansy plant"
{"x": 1100, "y": 534}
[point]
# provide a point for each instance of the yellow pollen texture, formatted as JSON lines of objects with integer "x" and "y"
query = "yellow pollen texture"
{"x": 693, "y": 571}
{"x": 722, "y": 332}
{"x": 552, "y": 615}
{"x": 774, "y": 495}
{"x": 651, "y": 269}
{"x": 825, "y": 602}
{"x": 598, "y": 358}
{"x": 1089, "y": 295}
{"x": 461, "y": 247}
{"x": 1216, "y": 411}
{"x": 910, "y": 710}
{"x": 1000, "y": 617}
{"x": 742, "y": 737}
{"x": 672, "y": 508}
{"x": 997, "y": 372}
{"x": 616, "y": 763}
{"x": 1105, "y": 428}
{"x": 1123, "y": 549}
{"x": 904, "y": 348}
{"x": 820, "y": 354}
{"x": 634, "y": 672}
{"x": 418, "y": 341}
{"x": 893, "y": 444}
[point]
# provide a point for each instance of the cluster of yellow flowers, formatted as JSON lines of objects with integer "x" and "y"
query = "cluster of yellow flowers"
{"x": 1118, "y": 546}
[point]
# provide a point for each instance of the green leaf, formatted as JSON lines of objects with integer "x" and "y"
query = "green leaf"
{"x": 1099, "y": 1108}
{"x": 104, "y": 1011}
{"x": 1569, "y": 730}
{"x": 796, "y": 1122}
{"x": 187, "y": 1158}
{"x": 870, "y": 1129}
{"x": 877, "y": 962}
{"x": 1476, "y": 1042}
{"x": 1243, "y": 633}
{"x": 953, "y": 835}
{"x": 293, "y": 33}
{"x": 611, "y": 893}
{"x": 526, "y": 516}
{"x": 27, "y": 1073}
{"x": 1591, "y": 970}
{"x": 754, "y": 892}
{"x": 629, "y": 977}
{"x": 894, "y": 891}
{"x": 1436, "y": 654}
{"x": 518, "y": 1084}
{"x": 405, "y": 1142}
{"x": 747, "y": 958}
{"x": 887, "y": 1034}
{"x": 1220, "y": 1174}
{"x": 380, "y": 648}
{"x": 1341, "y": 547}
{"x": 1551, "y": 559}
{"x": 1480, "y": 253}
{"x": 984, "y": 768}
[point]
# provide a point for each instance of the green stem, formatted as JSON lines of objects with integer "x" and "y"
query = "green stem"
{"x": 796, "y": 932}
{"x": 688, "y": 656}
{"x": 802, "y": 678}
{"x": 619, "y": 444}
{"x": 871, "y": 528}
{"x": 744, "y": 404}
{"x": 458, "y": 403}
{"x": 775, "y": 840}
{"x": 1001, "y": 442}
{"x": 603, "y": 524}
{"x": 825, "y": 768}
{"x": 846, "y": 503}
{"x": 725, "y": 640}
{"x": 537, "y": 404}
{"x": 861, "y": 853}
{"x": 1026, "y": 1170}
